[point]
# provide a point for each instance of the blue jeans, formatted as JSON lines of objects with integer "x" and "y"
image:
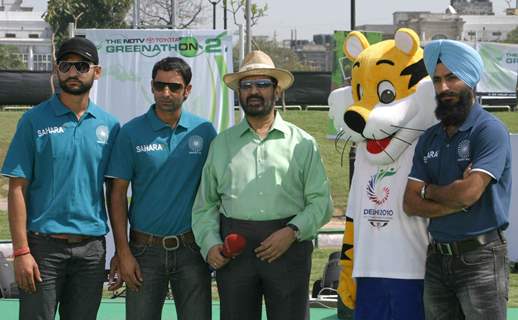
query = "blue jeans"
{"x": 473, "y": 285}
{"x": 186, "y": 272}
{"x": 73, "y": 276}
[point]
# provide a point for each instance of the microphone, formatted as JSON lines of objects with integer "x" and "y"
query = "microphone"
{"x": 233, "y": 245}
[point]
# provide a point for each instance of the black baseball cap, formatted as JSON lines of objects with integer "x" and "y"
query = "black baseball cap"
{"x": 78, "y": 45}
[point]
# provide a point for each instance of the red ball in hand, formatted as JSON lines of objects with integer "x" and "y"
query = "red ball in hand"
{"x": 233, "y": 245}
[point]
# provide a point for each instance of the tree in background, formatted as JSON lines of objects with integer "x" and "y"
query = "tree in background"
{"x": 512, "y": 37}
{"x": 191, "y": 12}
{"x": 85, "y": 14}
{"x": 10, "y": 58}
{"x": 282, "y": 57}
{"x": 160, "y": 12}
{"x": 237, "y": 9}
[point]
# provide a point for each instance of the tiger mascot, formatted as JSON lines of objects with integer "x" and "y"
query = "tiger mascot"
{"x": 390, "y": 102}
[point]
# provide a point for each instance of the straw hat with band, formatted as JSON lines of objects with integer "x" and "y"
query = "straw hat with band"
{"x": 258, "y": 63}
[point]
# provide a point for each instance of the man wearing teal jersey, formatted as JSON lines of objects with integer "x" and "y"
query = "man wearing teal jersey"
{"x": 264, "y": 180}
{"x": 162, "y": 154}
{"x": 55, "y": 164}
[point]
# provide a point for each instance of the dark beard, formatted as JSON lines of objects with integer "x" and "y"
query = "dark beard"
{"x": 267, "y": 107}
{"x": 454, "y": 114}
{"x": 76, "y": 91}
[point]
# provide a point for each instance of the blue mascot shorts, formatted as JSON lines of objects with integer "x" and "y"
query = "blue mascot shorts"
{"x": 389, "y": 299}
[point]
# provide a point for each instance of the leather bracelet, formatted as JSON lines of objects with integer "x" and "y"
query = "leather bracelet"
{"x": 21, "y": 251}
{"x": 423, "y": 191}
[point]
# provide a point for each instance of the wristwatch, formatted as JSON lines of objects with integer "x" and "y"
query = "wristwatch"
{"x": 295, "y": 229}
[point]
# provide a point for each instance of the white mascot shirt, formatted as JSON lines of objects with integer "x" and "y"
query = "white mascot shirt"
{"x": 388, "y": 243}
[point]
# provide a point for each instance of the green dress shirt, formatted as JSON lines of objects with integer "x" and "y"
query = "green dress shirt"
{"x": 249, "y": 178}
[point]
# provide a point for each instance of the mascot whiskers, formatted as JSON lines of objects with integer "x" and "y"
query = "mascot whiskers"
{"x": 389, "y": 104}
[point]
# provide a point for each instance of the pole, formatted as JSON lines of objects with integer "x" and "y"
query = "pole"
{"x": 248, "y": 47}
{"x": 352, "y": 151}
{"x": 225, "y": 14}
{"x": 353, "y": 14}
{"x": 214, "y": 15}
{"x": 241, "y": 44}
{"x": 136, "y": 14}
{"x": 134, "y": 24}
{"x": 71, "y": 30}
{"x": 173, "y": 14}
{"x": 241, "y": 58}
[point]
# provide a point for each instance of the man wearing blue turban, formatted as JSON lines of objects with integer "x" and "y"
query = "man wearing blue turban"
{"x": 461, "y": 180}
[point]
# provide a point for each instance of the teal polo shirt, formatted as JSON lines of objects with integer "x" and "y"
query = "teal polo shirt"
{"x": 164, "y": 167}
{"x": 64, "y": 160}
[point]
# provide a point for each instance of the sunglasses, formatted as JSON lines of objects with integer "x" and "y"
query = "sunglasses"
{"x": 80, "y": 66}
{"x": 173, "y": 86}
{"x": 259, "y": 84}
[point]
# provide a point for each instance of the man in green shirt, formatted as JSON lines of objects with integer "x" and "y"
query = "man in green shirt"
{"x": 263, "y": 179}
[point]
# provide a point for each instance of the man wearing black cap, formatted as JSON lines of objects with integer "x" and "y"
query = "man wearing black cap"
{"x": 55, "y": 164}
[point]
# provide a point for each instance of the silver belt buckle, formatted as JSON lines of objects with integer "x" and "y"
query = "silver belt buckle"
{"x": 164, "y": 239}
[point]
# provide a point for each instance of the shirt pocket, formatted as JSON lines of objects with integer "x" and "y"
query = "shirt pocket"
{"x": 61, "y": 147}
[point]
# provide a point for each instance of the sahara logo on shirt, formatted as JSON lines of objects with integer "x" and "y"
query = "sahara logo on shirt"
{"x": 50, "y": 130}
{"x": 195, "y": 144}
{"x": 149, "y": 147}
{"x": 102, "y": 134}
{"x": 431, "y": 155}
{"x": 463, "y": 150}
{"x": 378, "y": 194}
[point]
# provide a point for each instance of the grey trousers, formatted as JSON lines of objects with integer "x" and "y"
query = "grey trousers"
{"x": 73, "y": 276}
{"x": 246, "y": 280}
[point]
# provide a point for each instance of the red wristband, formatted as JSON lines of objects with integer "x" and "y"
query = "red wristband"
{"x": 21, "y": 251}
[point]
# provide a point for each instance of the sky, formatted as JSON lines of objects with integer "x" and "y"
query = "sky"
{"x": 325, "y": 16}
{"x": 310, "y": 17}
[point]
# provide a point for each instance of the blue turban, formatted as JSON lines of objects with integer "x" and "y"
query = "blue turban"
{"x": 461, "y": 59}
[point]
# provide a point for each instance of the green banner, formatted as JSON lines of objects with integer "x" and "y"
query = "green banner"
{"x": 500, "y": 67}
{"x": 127, "y": 57}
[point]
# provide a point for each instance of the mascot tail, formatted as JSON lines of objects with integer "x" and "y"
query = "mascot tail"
{"x": 347, "y": 285}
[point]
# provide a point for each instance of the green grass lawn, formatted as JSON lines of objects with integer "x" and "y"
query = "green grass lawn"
{"x": 315, "y": 123}
{"x": 4, "y": 226}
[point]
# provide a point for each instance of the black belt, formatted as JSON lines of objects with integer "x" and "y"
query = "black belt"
{"x": 65, "y": 237}
{"x": 169, "y": 243}
{"x": 456, "y": 248}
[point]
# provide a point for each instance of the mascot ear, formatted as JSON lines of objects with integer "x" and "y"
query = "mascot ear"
{"x": 354, "y": 44}
{"x": 407, "y": 41}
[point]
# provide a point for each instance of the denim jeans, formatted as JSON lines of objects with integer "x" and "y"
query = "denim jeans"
{"x": 473, "y": 285}
{"x": 183, "y": 269}
{"x": 73, "y": 276}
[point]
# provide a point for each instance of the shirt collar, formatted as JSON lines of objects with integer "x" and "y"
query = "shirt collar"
{"x": 476, "y": 109}
{"x": 157, "y": 124}
{"x": 60, "y": 109}
{"x": 278, "y": 124}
